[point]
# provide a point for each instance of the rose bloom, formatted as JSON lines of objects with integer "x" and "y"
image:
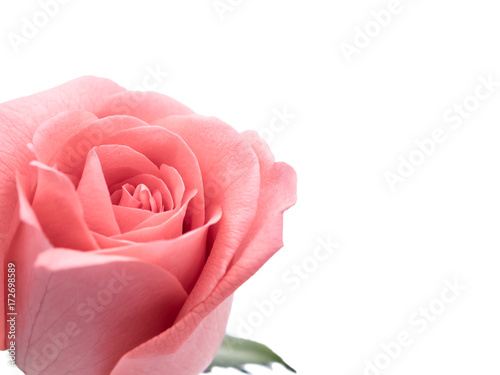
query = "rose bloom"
{"x": 130, "y": 221}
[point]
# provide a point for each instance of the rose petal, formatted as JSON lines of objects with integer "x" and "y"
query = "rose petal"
{"x": 143, "y": 194}
{"x": 174, "y": 182}
{"x": 278, "y": 193}
{"x": 158, "y": 202}
{"x": 71, "y": 155}
{"x": 91, "y": 309}
{"x": 51, "y": 134}
{"x": 106, "y": 242}
{"x": 168, "y": 354}
{"x": 147, "y": 106}
{"x": 94, "y": 197}
{"x": 160, "y": 218}
{"x": 27, "y": 244}
{"x": 231, "y": 179}
{"x": 119, "y": 163}
{"x": 183, "y": 256}
{"x": 123, "y": 198}
{"x": 58, "y": 209}
{"x": 128, "y": 218}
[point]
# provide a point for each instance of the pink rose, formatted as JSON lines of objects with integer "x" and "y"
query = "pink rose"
{"x": 131, "y": 221}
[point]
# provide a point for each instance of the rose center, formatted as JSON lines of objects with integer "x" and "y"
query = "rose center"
{"x": 138, "y": 197}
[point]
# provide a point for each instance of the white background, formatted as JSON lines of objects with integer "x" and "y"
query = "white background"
{"x": 353, "y": 120}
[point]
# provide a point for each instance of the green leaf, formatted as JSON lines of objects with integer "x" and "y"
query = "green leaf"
{"x": 236, "y": 353}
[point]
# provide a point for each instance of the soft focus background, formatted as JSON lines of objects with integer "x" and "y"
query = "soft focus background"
{"x": 376, "y": 277}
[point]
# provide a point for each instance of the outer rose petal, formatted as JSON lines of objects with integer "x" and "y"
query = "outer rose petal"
{"x": 278, "y": 193}
{"x": 191, "y": 348}
{"x": 86, "y": 303}
{"x": 147, "y": 106}
{"x": 264, "y": 239}
{"x": 231, "y": 179}
{"x": 28, "y": 242}
{"x": 51, "y": 134}
{"x": 18, "y": 121}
